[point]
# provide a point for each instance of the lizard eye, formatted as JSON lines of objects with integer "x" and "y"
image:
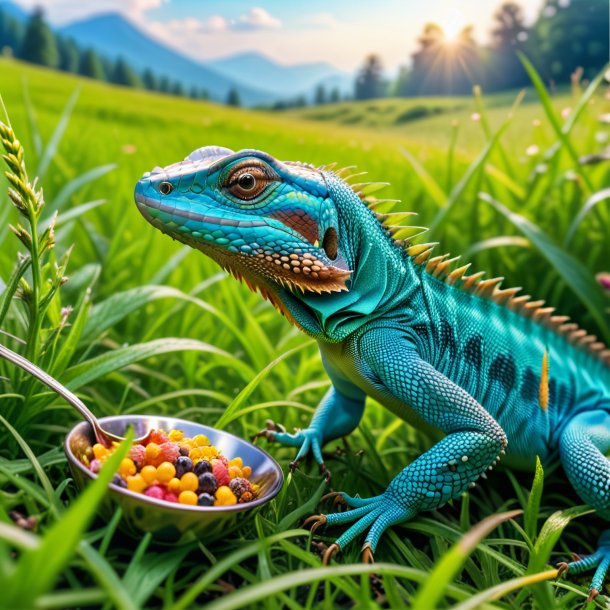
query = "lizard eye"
{"x": 165, "y": 188}
{"x": 247, "y": 183}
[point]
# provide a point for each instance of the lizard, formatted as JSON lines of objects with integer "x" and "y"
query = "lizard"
{"x": 491, "y": 372}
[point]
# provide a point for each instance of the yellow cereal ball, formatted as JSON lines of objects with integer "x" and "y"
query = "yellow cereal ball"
{"x": 189, "y": 482}
{"x": 99, "y": 451}
{"x": 201, "y": 440}
{"x": 195, "y": 454}
{"x": 209, "y": 452}
{"x": 188, "y": 497}
{"x": 149, "y": 474}
{"x": 127, "y": 467}
{"x": 136, "y": 483}
{"x": 235, "y": 471}
{"x": 152, "y": 452}
{"x": 246, "y": 471}
{"x": 175, "y": 436}
{"x": 173, "y": 485}
{"x": 236, "y": 462}
{"x": 224, "y": 496}
{"x": 165, "y": 472}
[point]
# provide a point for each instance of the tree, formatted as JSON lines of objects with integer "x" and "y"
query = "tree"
{"x": 39, "y": 45}
{"x": 91, "y": 66}
{"x": 572, "y": 34}
{"x": 509, "y": 35}
{"x": 149, "y": 80}
{"x": 11, "y": 33}
{"x": 68, "y": 55}
{"x": 164, "y": 84}
{"x": 233, "y": 97}
{"x": 177, "y": 89}
{"x": 123, "y": 74}
{"x": 335, "y": 95}
{"x": 320, "y": 95}
{"x": 369, "y": 82}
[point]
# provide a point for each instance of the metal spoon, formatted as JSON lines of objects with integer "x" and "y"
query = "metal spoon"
{"x": 101, "y": 435}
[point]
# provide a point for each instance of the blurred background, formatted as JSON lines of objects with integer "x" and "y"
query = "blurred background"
{"x": 288, "y": 55}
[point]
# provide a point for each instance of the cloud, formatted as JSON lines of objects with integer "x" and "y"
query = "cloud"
{"x": 323, "y": 21}
{"x": 256, "y": 18}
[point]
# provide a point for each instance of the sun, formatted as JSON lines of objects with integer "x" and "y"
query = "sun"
{"x": 452, "y": 24}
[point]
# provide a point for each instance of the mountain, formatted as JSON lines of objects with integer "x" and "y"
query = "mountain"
{"x": 255, "y": 69}
{"x": 115, "y": 36}
{"x": 14, "y": 10}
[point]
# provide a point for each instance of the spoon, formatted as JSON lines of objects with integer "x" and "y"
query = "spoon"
{"x": 102, "y": 436}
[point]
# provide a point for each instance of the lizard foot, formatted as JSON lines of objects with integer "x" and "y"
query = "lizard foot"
{"x": 600, "y": 561}
{"x": 330, "y": 552}
{"x": 373, "y": 514}
{"x": 316, "y": 520}
{"x": 308, "y": 441}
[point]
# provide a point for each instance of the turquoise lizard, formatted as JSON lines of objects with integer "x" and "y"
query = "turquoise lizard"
{"x": 490, "y": 371}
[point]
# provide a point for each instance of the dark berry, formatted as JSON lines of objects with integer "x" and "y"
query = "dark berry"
{"x": 207, "y": 483}
{"x": 205, "y": 500}
{"x": 183, "y": 465}
{"x": 201, "y": 467}
{"x": 184, "y": 450}
{"x": 239, "y": 485}
{"x": 119, "y": 481}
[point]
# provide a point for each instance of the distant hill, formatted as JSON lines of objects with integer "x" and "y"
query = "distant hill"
{"x": 255, "y": 69}
{"x": 259, "y": 79}
{"x": 115, "y": 36}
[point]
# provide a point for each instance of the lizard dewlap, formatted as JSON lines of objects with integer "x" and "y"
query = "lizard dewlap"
{"x": 177, "y": 469}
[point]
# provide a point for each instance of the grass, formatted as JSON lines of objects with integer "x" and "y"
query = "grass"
{"x": 145, "y": 325}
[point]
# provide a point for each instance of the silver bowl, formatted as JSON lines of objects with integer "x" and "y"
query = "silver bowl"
{"x": 167, "y": 522}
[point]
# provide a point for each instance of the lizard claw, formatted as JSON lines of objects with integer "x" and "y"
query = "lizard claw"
{"x": 294, "y": 465}
{"x": 562, "y": 568}
{"x": 330, "y": 552}
{"x": 268, "y": 431}
{"x": 326, "y": 472}
{"x": 367, "y": 554}
{"x": 317, "y": 521}
{"x": 338, "y": 498}
{"x": 593, "y": 593}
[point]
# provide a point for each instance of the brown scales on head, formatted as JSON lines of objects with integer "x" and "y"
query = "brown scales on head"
{"x": 442, "y": 267}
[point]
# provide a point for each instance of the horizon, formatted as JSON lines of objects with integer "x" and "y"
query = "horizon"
{"x": 344, "y": 34}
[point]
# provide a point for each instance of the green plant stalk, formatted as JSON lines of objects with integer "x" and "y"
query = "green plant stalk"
{"x": 32, "y": 347}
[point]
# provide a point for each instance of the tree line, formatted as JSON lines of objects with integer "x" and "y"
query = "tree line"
{"x": 37, "y": 43}
{"x": 567, "y": 36}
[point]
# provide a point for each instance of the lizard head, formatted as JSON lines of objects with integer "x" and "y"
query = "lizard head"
{"x": 272, "y": 223}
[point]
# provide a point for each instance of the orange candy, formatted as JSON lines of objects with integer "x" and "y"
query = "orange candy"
{"x": 188, "y": 497}
{"x": 189, "y": 482}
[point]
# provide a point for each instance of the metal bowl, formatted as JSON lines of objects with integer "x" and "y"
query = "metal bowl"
{"x": 167, "y": 522}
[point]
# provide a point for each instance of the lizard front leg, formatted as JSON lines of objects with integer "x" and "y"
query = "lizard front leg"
{"x": 338, "y": 413}
{"x": 474, "y": 440}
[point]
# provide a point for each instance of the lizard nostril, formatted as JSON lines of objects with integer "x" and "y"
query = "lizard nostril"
{"x": 330, "y": 243}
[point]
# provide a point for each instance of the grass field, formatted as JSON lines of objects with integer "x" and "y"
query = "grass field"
{"x": 125, "y": 349}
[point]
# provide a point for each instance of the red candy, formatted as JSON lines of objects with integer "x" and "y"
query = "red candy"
{"x": 155, "y": 491}
{"x": 170, "y": 452}
{"x": 170, "y": 497}
{"x": 138, "y": 454}
{"x": 221, "y": 472}
{"x": 158, "y": 436}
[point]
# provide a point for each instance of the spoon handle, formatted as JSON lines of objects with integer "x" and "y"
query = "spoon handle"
{"x": 52, "y": 383}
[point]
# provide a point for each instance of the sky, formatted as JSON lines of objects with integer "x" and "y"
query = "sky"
{"x": 341, "y": 32}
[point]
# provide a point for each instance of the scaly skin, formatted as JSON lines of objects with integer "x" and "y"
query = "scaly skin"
{"x": 489, "y": 371}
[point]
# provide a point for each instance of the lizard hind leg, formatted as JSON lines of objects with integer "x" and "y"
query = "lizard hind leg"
{"x": 583, "y": 446}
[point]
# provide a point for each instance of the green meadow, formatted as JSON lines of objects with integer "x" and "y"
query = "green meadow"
{"x": 515, "y": 183}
